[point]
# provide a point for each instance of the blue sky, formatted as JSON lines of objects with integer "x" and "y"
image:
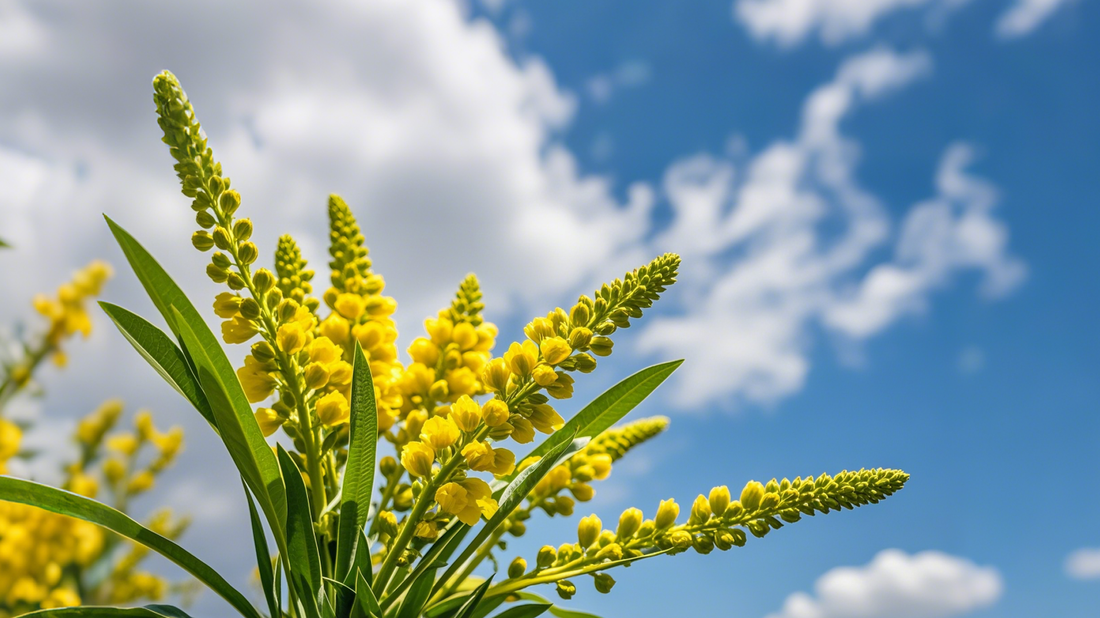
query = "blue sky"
{"x": 952, "y": 336}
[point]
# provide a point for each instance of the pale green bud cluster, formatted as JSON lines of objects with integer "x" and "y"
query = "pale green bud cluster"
{"x": 293, "y": 276}
{"x": 467, "y": 305}
{"x": 346, "y": 246}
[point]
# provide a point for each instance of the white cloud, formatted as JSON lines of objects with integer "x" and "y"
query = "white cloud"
{"x": 1084, "y": 564}
{"x": 1024, "y": 16}
{"x": 633, "y": 74}
{"x": 894, "y": 584}
{"x": 791, "y": 22}
{"x": 762, "y": 272}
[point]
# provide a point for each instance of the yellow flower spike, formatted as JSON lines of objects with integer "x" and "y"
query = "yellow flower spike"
{"x": 291, "y": 338}
{"x": 439, "y": 433}
{"x": 417, "y": 458}
{"x": 667, "y": 512}
{"x": 751, "y": 495}
{"x": 555, "y": 350}
{"x": 466, "y": 414}
{"x": 226, "y": 305}
{"x": 423, "y": 351}
{"x": 238, "y": 330}
{"x": 544, "y": 375}
{"x": 333, "y": 409}
{"x": 336, "y": 329}
{"x": 719, "y": 500}
{"x": 588, "y": 530}
{"x": 522, "y": 429}
{"x": 495, "y": 375}
{"x": 440, "y": 330}
{"x": 521, "y": 358}
{"x": 495, "y": 413}
{"x": 256, "y": 380}
{"x": 269, "y": 421}
{"x": 546, "y": 419}
{"x": 350, "y": 306}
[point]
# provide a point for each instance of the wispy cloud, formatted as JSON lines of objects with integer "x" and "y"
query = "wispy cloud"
{"x": 928, "y": 584}
{"x": 791, "y": 22}
{"x": 1084, "y": 563}
{"x": 1024, "y": 16}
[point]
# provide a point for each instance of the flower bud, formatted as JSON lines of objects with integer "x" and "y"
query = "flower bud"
{"x": 719, "y": 499}
{"x": 703, "y": 544}
{"x": 263, "y": 280}
{"x": 584, "y": 362}
{"x": 316, "y": 375}
{"x": 579, "y": 314}
{"x": 262, "y": 351}
{"x": 387, "y": 523}
{"x": 229, "y": 201}
{"x": 700, "y": 510}
{"x": 579, "y": 338}
{"x": 681, "y": 540}
{"x": 242, "y": 229}
{"x": 566, "y": 589}
{"x": 582, "y": 491}
{"x": 667, "y": 513}
{"x": 564, "y": 505}
{"x": 629, "y": 522}
{"x": 234, "y": 281}
{"x": 517, "y": 529}
{"x": 221, "y": 238}
{"x": 751, "y": 495}
{"x": 216, "y": 274}
{"x": 250, "y": 309}
{"x": 601, "y": 346}
{"x": 604, "y": 582}
{"x": 388, "y": 465}
{"x": 588, "y": 530}
{"x": 495, "y": 412}
{"x": 202, "y": 240}
{"x": 517, "y": 568}
{"x": 611, "y": 551}
{"x": 769, "y": 502}
{"x": 205, "y": 220}
{"x": 546, "y": 556}
{"x": 220, "y": 260}
{"x": 647, "y": 529}
{"x": 723, "y": 539}
{"x": 247, "y": 251}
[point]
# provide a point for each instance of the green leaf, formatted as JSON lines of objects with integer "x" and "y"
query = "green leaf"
{"x": 301, "y": 541}
{"x": 513, "y": 494}
{"x": 92, "y": 611}
{"x": 361, "y": 561}
{"x": 435, "y": 558}
{"x": 168, "y": 610}
{"x": 239, "y": 431}
{"x": 73, "y": 505}
{"x": 263, "y": 557}
{"x": 611, "y": 406}
{"x": 358, "y": 482}
{"x": 467, "y": 609}
{"x": 4, "y": 245}
{"x": 344, "y": 598}
{"x": 417, "y": 596}
{"x": 163, "y": 354}
{"x": 525, "y": 611}
{"x": 561, "y": 612}
{"x": 231, "y": 410}
{"x": 364, "y": 597}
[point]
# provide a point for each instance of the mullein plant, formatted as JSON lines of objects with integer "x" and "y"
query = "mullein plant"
{"x": 50, "y": 560}
{"x": 395, "y": 481}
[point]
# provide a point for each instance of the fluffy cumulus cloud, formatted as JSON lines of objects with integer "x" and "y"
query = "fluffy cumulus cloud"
{"x": 763, "y": 272}
{"x": 894, "y": 584}
{"x": 1084, "y": 564}
{"x": 1024, "y": 16}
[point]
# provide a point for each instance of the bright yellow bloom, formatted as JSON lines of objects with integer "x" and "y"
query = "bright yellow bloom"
{"x": 555, "y": 350}
{"x": 466, "y": 414}
{"x": 417, "y": 458}
{"x": 333, "y": 409}
{"x": 544, "y": 375}
{"x": 522, "y": 429}
{"x": 495, "y": 375}
{"x": 546, "y": 419}
{"x": 350, "y": 306}
{"x": 226, "y": 305}
{"x": 269, "y": 421}
{"x": 461, "y": 381}
{"x": 291, "y": 337}
{"x": 522, "y": 358}
{"x": 323, "y": 351}
{"x": 238, "y": 330}
{"x": 440, "y": 330}
{"x": 257, "y": 382}
{"x": 439, "y": 433}
{"x": 340, "y": 374}
{"x": 484, "y": 458}
{"x": 486, "y": 337}
{"x": 468, "y": 500}
{"x": 465, "y": 336}
{"x": 335, "y": 328}
{"x": 495, "y": 412}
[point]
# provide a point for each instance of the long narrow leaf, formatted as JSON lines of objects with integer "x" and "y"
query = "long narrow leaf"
{"x": 163, "y": 354}
{"x": 417, "y": 596}
{"x": 92, "y": 611}
{"x": 468, "y": 608}
{"x": 365, "y": 600}
{"x": 300, "y": 539}
{"x": 525, "y": 611}
{"x": 241, "y": 434}
{"x": 611, "y": 406}
{"x": 263, "y": 556}
{"x": 358, "y": 480}
{"x": 73, "y": 505}
{"x": 239, "y": 430}
{"x": 513, "y": 494}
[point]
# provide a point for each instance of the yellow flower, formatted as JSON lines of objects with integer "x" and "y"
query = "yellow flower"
{"x": 504, "y": 462}
{"x": 417, "y": 458}
{"x": 349, "y": 305}
{"x": 486, "y": 337}
{"x": 340, "y": 374}
{"x": 539, "y": 329}
{"x": 461, "y": 381}
{"x": 440, "y": 330}
{"x": 466, "y": 414}
{"x": 495, "y": 412}
{"x": 333, "y": 409}
{"x": 257, "y": 382}
{"x": 483, "y": 458}
{"x": 141, "y": 483}
{"x": 546, "y": 419}
{"x": 452, "y": 498}
{"x": 439, "y": 433}
{"x": 335, "y": 328}
{"x": 424, "y": 351}
{"x": 544, "y": 375}
{"x": 465, "y": 336}
{"x": 555, "y": 350}
{"x": 10, "y": 437}
{"x": 60, "y": 597}
{"x": 226, "y": 305}
{"x": 522, "y": 358}
{"x": 324, "y": 351}
{"x": 601, "y": 465}
{"x": 522, "y": 429}
{"x": 468, "y": 500}
{"x": 495, "y": 375}
{"x": 269, "y": 421}
{"x": 588, "y": 530}
{"x": 316, "y": 375}
{"x": 126, "y": 443}
{"x": 238, "y": 330}
{"x": 291, "y": 337}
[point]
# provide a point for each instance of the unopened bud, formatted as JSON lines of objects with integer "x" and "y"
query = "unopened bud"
{"x": 205, "y": 219}
{"x": 263, "y": 280}
{"x": 579, "y": 338}
{"x": 546, "y": 556}
{"x": 703, "y": 544}
{"x": 751, "y": 495}
{"x": 517, "y": 568}
{"x": 221, "y": 238}
{"x": 588, "y": 530}
{"x": 719, "y": 499}
{"x": 601, "y": 346}
{"x": 250, "y": 309}
{"x": 216, "y": 274}
{"x": 234, "y": 281}
{"x": 220, "y": 260}
{"x": 667, "y": 513}
{"x": 388, "y": 465}
{"x": 579, "y": 314}
{"x": 247, "y": 252}
{"x": 604, "y": 582}
{"x": 229, "y": 202}
{"x": 566, "y": 589}
{"x": 262, "y": 351}
{"x": 202, "y": 240}
{"x": 584, "y": 362}
{"x": 242, "y": 229}
{"x": 629, "y": 522}
{"x": 700, "y": 510}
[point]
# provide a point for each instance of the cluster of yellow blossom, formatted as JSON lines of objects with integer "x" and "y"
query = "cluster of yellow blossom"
{"x": 44, "y": 557}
